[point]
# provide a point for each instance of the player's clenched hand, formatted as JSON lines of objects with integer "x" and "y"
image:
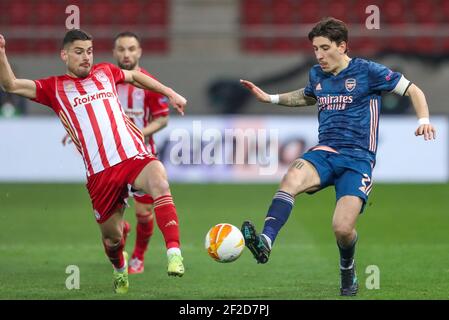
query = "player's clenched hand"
{"x": 426, "y": 130}
{"x": 178, "y": 102}
{"x": 256, "y": 91}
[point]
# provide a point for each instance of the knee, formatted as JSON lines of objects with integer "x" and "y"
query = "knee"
{"x": 144, "y": 217}
{"x": 112, "y": 241}
{"x": 293, "y": 182}
{"x": 342, "y": 230}
{"x": 159, "y": 187}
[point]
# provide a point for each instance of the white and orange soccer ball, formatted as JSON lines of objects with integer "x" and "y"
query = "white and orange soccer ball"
{"x": 224, "y": 242}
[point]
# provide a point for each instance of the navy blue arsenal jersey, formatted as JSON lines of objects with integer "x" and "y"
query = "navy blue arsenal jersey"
{"x": 349, "y": 105}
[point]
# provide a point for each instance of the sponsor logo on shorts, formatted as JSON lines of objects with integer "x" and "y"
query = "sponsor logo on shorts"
{"x": 366, "y": 184}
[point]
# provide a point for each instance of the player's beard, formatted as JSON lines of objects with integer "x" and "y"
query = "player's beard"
{"x": 80, "y": 72}
{"x": 129, "y": 66}
{"x": 83, "y": 73}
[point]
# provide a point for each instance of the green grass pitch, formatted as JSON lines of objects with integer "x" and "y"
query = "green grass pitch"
{"x": 404, "y": 231}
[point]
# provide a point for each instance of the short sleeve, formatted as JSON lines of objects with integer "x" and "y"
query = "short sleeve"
{"x": 45, "y": 91}
{"x": 308, "y": 90}
{"x": 117, "y": 73}
{"x": 382, "y": 78}
{"x": 158, "y": 104}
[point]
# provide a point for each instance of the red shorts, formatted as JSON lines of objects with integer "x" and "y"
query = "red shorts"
{"x": 109, "y": 188}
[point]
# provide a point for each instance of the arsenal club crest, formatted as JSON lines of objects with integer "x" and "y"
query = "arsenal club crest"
{"x": 350, "y": 84}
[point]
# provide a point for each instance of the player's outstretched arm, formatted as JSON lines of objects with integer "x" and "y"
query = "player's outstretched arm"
{"x": 290, "y": 99}
{"x": 146, "y": 82}
{"x": 155, "y": 126}
{"x": 8, "y": 81}
{"x": 425, "y": 128}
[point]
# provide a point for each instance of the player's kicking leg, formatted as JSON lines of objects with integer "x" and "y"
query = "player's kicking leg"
{"x": 144, "y": 231}
{"x": 153, "y": 180}
{"x": 345, "y": 217}
{"x": 302, "y": 176}
{"x": 114, "y": 243}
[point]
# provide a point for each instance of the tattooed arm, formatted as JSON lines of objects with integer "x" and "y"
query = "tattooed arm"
{"x": 296, "y": 99}
{"x": 289, "y": 99}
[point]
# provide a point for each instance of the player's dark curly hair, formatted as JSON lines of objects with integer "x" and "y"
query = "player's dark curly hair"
{"x": 75, "y": 34}
{"x": 333, "y": 29}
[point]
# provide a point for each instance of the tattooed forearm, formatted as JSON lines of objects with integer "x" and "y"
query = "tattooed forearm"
{"x": 297, "y": 164}
{"x": 296, "y": 99}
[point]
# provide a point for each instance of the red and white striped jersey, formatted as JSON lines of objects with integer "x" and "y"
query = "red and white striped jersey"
{"x": 142, "y": 106}
{"x": 90, "y": 111}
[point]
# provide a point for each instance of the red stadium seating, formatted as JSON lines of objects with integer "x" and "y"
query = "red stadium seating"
{"x": 99, "y": 13}
{"x": 424, "y": 11}
{"x": 254, "y": 45}
{"x": 423, "y": 45}
{"x": 159, "y": 45}
{"x": 155, "y": 13}
{"x": 18, "y": 12}
{"x": 129, "y": 12}
{"x": 398, "y": 44}
{"x": 255, "y": 12}
{"x": 444, "y": 47}
{"x": 309, "y": 11}
{"x": 280, "y": 14}
{"x": 45, "y": 45}
{"x": 339, "y": 9}
{"x": 394, "y": 12}
{"x": 443, "y": 9}
{"x": 48, "y": 14}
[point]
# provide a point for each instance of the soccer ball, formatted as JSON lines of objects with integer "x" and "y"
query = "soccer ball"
{"x": 224, "y": 242}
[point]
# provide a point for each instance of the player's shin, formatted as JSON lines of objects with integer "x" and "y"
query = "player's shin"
{"x": 167, "y": 220}
{"x": 277, "y": 215}
{"x": 347, "y": 252}
{"x": 145, "y": 227}
{"x": 115, "y": 253}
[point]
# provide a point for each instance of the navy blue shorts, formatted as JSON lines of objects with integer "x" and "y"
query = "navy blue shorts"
{"x": 351, "y": 177}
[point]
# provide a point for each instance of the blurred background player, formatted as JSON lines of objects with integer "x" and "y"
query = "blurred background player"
{"x": 112, "y": 147}
{"x": 148, "y": 110}
{"x": 348, "y": 92}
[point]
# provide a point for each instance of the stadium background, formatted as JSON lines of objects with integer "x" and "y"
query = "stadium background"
{"x": 201, "y": 48}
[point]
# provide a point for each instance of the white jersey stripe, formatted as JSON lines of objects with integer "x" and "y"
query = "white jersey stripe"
{"x": 374, "y": 121}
